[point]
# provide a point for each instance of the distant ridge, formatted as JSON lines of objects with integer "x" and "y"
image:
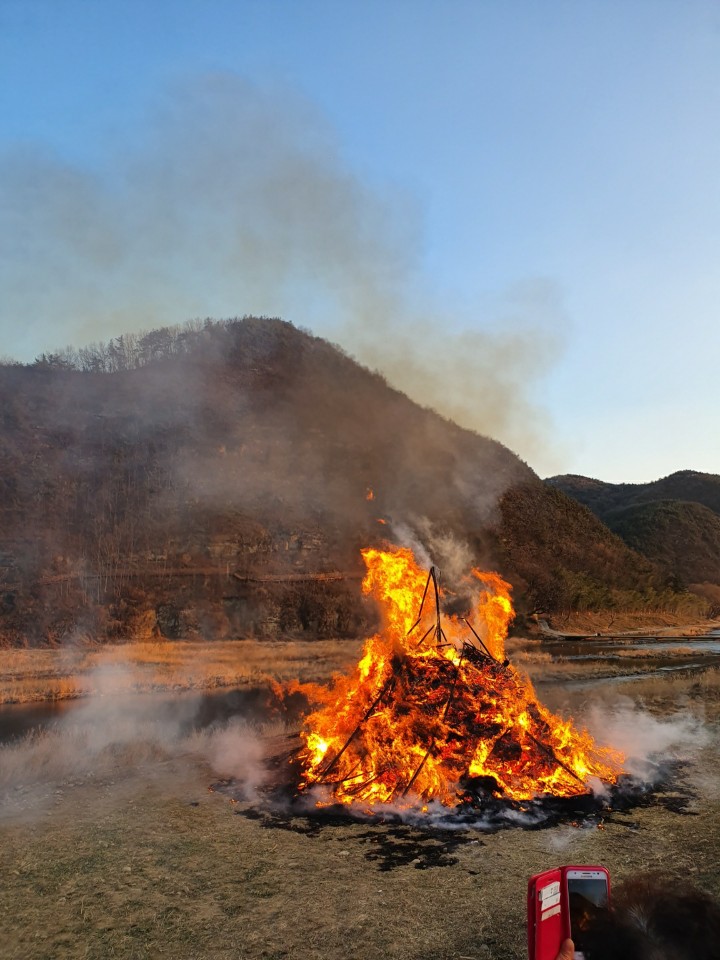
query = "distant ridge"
{"x": 674, "y": 521}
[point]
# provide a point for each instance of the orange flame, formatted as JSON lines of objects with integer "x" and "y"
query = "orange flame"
{"x": 369, "y": 495}
{"x": 428, "y": 718}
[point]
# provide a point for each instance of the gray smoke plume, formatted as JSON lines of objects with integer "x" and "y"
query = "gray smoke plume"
{"x": 230, "y": 200}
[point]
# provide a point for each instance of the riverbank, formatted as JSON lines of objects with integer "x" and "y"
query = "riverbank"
{"x": 607, "y": 623}
{"x": 33, "y": 676}
{"x": 47, "y": 675}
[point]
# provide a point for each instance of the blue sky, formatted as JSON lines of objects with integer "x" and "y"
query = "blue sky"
{"x": 512, "y": 208}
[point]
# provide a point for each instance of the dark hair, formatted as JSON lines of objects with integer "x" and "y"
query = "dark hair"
{"x": 656, "y": 917}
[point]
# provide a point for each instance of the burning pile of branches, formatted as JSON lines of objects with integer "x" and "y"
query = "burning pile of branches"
{"x": 434, "y": 711}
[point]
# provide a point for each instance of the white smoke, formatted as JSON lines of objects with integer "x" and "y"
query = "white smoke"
{"x": 235, "y": 751}
{"x": 116, "y": 734}
{"x": 644, "y": 738}
{"x": 231, "y": 199}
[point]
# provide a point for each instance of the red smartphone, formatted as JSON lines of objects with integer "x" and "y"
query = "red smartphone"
{"x": 561, "y": 903}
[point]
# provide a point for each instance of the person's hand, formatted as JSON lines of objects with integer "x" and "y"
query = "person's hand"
{"x": 567, "y": 950}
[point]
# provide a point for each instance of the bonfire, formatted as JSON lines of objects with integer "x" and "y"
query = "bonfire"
{"x": 435, "y": 711}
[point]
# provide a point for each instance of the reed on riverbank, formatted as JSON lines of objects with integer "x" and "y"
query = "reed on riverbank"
{"x": 28, "y": 676}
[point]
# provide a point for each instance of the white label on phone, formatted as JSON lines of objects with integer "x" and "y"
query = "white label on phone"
{"x": 546, "y": 914}
{"x": 550, "y": 890}
{"x": 550, "y": 901}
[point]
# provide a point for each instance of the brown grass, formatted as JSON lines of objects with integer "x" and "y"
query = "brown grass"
{"x": 147, "y": 864}
{"x": 700, "y": 685}
{"x": 659, "y": 623}
{"x": 35, "y": 675}
{"x": 125, "y": 854}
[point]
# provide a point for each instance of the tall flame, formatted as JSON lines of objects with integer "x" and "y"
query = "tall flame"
{"x": 421, "y": 717}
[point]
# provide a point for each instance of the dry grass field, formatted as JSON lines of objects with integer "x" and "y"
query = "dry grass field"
{"x": 112, "y": 845}
{"x": 608, "y": 622}
{"x": 28, "y": 676}
{"x": 150, "y": 864}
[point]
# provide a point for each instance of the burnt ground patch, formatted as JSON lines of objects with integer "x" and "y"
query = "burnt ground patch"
{"x": 424, "y": 839}
{"x": 390, "y": 845}
{"x": 401, "y": 846}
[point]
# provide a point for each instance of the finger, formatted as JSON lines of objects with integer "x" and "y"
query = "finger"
{"x": 567, "y": 950}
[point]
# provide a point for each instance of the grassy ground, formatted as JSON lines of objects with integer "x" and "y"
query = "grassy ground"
{"x": 116, "y": 848}
{"x": 154, "y": 865}
{"x": 609, "y": 623}
{"x": 28, "y": 676}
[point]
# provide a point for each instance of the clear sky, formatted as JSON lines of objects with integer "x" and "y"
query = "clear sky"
{"x": 510, "y": 206}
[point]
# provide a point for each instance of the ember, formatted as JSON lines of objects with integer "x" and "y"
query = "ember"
{"x": 433, "y": 711}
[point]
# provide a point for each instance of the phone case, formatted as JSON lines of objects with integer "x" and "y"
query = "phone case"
{"x": 547, "y": 915}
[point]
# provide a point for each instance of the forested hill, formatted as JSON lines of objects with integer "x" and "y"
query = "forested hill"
{"x": 213, "y": 479}
{"x": 675, "y": 521}
{"x": 689, "y": 486}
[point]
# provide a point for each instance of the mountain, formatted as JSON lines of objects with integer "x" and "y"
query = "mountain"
{"x": 675, "y": 521}
{"x": 569, "y": 560}
{"x": 220, "y": 478}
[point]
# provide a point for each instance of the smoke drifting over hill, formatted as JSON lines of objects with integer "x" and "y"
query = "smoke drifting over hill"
{"x": 230, "y": 199}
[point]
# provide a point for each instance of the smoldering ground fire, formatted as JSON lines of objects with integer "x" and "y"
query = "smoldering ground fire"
{"x": 434, "y": 712}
